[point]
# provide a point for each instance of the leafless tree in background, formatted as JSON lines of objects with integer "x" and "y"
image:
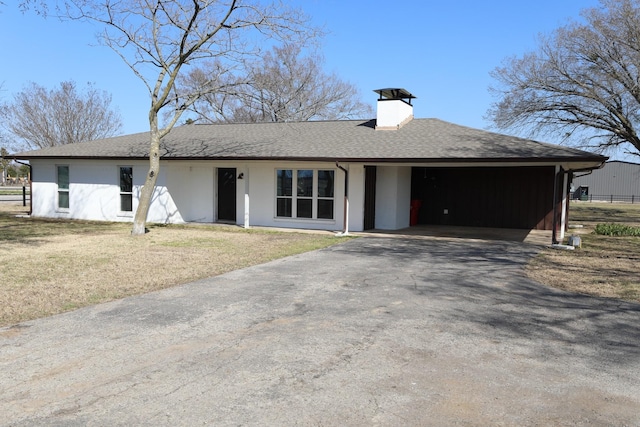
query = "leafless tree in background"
{"x": 158, "y": 38}
{"x": 39, "y": 117}
{"x": 282, "y": 86}
{"x": 582, "y": 84}
{"x": 4, "y": 165}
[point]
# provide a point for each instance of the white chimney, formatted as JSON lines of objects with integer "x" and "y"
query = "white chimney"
{"x": 394, "y": 108}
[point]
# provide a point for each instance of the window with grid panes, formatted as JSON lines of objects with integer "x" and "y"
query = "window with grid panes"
{"x": 313, "y": 197}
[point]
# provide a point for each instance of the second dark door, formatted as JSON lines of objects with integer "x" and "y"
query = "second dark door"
{"x": 227, "y": 194}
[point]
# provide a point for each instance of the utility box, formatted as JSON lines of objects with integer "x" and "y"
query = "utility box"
{"x": 583, "y": 193}
{"x": 575, "y": 241}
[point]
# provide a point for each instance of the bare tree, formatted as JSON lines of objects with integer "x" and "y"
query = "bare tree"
{"x": 46, "y": 118}
{"x": 4, "y": 164}
{"x": 282, "y": 86}
{"x": 157, "y": 38}
{"x": 582, "y": 84}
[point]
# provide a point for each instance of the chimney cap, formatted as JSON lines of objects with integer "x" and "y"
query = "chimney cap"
{"x": 394, "y": 93}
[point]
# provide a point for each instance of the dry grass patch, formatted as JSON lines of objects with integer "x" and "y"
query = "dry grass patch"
{"x": 592, "y": 213}
{"x": 53, "y": 266}
{"x": 605, "y": 266}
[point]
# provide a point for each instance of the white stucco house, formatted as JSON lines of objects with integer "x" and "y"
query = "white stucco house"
{"x": 386, "y": 173}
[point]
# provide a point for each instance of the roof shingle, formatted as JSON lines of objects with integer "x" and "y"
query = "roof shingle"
{"x": 424, "y": 140}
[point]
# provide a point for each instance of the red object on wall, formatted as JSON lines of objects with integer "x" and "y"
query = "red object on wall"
{"x": 415, "y": 210}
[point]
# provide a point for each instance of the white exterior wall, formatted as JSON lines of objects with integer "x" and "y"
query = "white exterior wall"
{"x": 191, "y": 186}
{"x": 186, "y": 191}
{"x": 393, "y": 197}
{"x": 356, "y": 196}
{"x": 262, "y": 197}
{"x": 94, "y": 191}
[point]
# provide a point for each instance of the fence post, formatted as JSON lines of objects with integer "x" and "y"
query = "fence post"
{"x": 24, "y": 196}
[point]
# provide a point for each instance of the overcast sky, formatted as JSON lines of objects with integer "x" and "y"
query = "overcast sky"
{"x": 442, "y": 52}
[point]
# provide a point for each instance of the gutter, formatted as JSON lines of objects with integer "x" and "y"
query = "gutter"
{"x": 398, "y": 160}
{"x": 588, "y": 171}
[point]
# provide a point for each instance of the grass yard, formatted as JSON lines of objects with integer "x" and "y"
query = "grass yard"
{"x": 605, "y": 266}
{"x": 50, "y": 266}
{"x": 12, "y": 191}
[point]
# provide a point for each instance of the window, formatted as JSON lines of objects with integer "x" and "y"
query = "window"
{"x": 126, "y": 188}
{"x": 304, "y": 199}
{"x": 284, "y": 194}
{"x": 325, "y": 194}
{"x": 63, "y": 187}
{"x": 313, "y": 197}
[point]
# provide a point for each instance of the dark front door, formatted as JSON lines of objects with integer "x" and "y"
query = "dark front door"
{"x": 227, "y": 194}
{"x": 369, "y": 197}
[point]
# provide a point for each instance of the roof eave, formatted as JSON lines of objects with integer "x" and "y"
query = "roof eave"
{"x": 592, "y": 162}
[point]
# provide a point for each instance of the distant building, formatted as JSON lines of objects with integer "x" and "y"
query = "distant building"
{"x": 617, "y": 181}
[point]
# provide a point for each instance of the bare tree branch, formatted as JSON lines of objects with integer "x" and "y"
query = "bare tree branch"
{"x": 46, "y": 118}
{"x": 282, "y": 85}
{"x": 157, "y": 39}
{"x": 583, "y": 82}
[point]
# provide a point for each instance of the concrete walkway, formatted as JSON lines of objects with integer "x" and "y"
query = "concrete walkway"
{"x": 533, "y": 237}
{"x": 374, "y": 331}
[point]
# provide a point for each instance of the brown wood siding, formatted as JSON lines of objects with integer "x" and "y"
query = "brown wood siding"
{"x": 510, "y": 197}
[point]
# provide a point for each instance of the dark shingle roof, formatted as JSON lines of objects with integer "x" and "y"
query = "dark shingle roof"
{"x": 425, "y": 140}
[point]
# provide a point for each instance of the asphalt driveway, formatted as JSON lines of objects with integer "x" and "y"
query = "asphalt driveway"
{"x": 374, "y": 331}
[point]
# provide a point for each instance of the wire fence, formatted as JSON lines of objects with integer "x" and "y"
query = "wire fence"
{"x": 610, "y": 198}
{"x": 15, "y": 194}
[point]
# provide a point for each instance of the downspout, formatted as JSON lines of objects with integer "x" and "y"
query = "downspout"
{"x": 345, "y": 229}
{"x": 30, "y": 185}
{"x": 585, "y": 174}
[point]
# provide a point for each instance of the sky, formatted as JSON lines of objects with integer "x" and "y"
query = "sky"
{"x": 441, "y": 52}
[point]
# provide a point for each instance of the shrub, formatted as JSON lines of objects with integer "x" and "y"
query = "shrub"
{"x": 617, "y": 230}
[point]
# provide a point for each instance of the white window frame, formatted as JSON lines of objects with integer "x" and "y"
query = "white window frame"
{"x": 63, "y": 190}
{"x": 124, "y": 193}
{"x": 294, "y": 197}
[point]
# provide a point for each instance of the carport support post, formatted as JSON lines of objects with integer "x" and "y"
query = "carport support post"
{"x": 563, "y": 214}
{"x": 554, "y": 239}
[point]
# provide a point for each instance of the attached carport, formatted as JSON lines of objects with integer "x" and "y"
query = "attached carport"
{"x": 525, "y": 193}
{"x": 500, "y": 197}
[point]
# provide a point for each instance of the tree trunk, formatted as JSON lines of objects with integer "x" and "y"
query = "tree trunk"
{"x": 140, "y": 219}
